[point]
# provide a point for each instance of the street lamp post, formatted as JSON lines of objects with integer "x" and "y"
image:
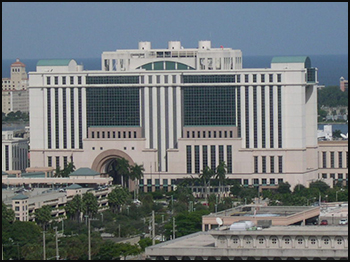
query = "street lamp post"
{"x": 336, "y": 194}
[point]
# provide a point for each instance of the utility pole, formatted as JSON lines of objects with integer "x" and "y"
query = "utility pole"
{"x": 44, "y": 251}
{"x": 172, "y": 204}
{"x": 57, "y": 256}
{"x": 174, "y": 227}
{"x": 119, "y": 230}
{"x": 89, "y": 238}
{"x": 153, "y": 229}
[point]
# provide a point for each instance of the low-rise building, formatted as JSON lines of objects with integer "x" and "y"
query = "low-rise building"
{"x": 274, "y": 243}
{"x": 14, "y": 152}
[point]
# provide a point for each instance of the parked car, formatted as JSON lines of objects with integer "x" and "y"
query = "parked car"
{"x": 343, "y": 221}
{"x": 324, "y": 222}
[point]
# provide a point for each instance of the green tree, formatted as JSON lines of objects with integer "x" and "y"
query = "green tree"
{"x": 123, "y": 170}
{"x": 43, "y": 216}
{"x": 75, "y": 207}
{"x": 284, "y": 188}
{"x": 108, "y": 251}
{"x": 8, "y": 214}
{"x": 117, "y": 198}
{"x": 336, "y": 133}
{"x": 320, "y": 185}
{"x": 90, "y": 204}
{"x": 136, "y": 173}
{"x": 67, "y": 170}
{"x": 221, "y": 174}
{"x": 206, "y": 174}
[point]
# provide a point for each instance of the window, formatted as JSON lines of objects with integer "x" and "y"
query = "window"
{"x": 254, "y": 78}
{"x": 272, "y": 164}
{"x": 174, "y": 78}
{"x": 196, "y": 160}
{"x": 245, "y": 182}
{"x": 280, "y": 164}
{"x": 340, "y": 159}
{"x": 279, "y": 78}
{"x": 56, "y": 80}
{"x": 332, "y": 175}
{"x": 150, "y": 79}
{"x": 324, "y": 175}
{"x": 256, "y": 181}
{"x": 238, "y": 78}
{"x": 261, "y": 240}
{"x": 332, "y": 159}
{"x": 235, "y": 240}
{"x": 264, "y": 164}
{"x": 212, "y": 157}
{"x": 313, "y": 241}
{"x": 246, "y": 78}
{"x": 324, "y": 159}
{"x": 158, "y": 79}
{"x": 79, "y": 80}
{"x": 272, "y": 181}
{"x": 339, "y": 241}
{"x": 274, "y": 240}
{"x": 280, "y": 180}
{"x": 287, "y": 241}
{"x": 270, "y": 78}
{"x": 48, "y": 80}
{"x": 72, "y": 80}
{"x": 256, "y": 164}
{"x": 189, "y": 161}
{"x": 262, "y": 78}
{"x": 63, "y": 80}
{"x": 165, "y": 79}
{"x": 300, "y": 241}
{"x": 263, "y": 181}
{"x": 326, "y": 241}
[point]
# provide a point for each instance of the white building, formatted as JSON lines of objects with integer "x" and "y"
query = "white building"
{"x": 15, "y": 96}
{"x": 14, "y": 152}
{"x": 176, "y": 111}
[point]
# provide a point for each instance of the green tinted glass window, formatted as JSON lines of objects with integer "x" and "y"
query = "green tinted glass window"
{"x": 213, "y": 105}
{"x": 113, "y": 106}
{"x": 158, "y": 65}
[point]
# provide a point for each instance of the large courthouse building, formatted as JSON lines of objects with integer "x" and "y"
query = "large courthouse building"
{"x": 175, "y": 111}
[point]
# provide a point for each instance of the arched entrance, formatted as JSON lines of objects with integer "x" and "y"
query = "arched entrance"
{"x": 106, "y": 162}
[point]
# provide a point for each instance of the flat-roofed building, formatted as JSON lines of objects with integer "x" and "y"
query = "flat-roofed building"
{"x": 176, "y": 111}
{"x": 274, "y": 243}
{"x": 14, "y": 152}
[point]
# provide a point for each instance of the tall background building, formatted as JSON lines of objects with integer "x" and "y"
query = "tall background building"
{"x": 176, "y": 111}
{"x": 15, "y": 95}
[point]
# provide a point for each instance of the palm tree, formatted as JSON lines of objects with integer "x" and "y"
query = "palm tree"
{"x": 123, "y": 169}
{"x": 74, "y": 207}
{"x": 136, "y": 174}
{"x": 221, "y": 174}
{"x": 205, "y": 176}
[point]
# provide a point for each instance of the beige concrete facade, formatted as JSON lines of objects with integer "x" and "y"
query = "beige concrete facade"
{"x": 272, "y": 139}
{"x": 275, "y": 243}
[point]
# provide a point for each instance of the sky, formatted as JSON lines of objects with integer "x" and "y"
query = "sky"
{"x": 52, "y": 30}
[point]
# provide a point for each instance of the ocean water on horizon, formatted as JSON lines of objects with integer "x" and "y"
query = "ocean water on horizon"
{"x": 330, "y": 67}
